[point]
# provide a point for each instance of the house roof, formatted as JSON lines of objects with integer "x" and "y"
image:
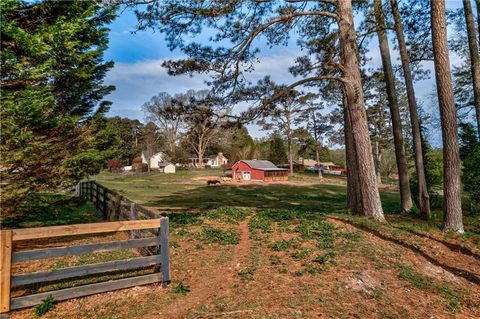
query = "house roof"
{"x": 211, "y": 156}
{"x": 207, "y": 157}
{"x": 262, "y": 165}
{"x": 154, "y": 154}
{"x": 309, "y": 162}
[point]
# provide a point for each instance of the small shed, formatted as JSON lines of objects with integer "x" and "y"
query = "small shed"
{"x": 167, "y": 168}
{"x": 258, "y": 170}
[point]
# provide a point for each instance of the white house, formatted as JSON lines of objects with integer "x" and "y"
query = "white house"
{"x": 155, "y": 159}
{"x": 167, "y": 168}
{"x": 210, "y": 160}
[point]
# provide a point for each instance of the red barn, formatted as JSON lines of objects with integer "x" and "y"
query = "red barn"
{"x": 257, "y": 170}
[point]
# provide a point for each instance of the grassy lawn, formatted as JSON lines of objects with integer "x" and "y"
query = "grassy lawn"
{"x": 187, "y": 190}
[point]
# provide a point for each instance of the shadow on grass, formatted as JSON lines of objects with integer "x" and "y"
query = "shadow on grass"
{"x": 321, "y": 198}
{"x": 51, "y": 210}
{"x": 453, "y": 247}
{"x": 470, "y": 276}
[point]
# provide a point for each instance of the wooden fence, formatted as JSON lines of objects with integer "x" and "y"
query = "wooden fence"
{"x": 111, "y": 204}
{"x": 113, "y": 207}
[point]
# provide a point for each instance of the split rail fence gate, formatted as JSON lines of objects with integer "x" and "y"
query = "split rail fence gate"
{"x": 158, "y": 257}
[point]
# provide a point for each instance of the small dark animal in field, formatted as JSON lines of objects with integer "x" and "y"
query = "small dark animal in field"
{"x": 213, "y": 182}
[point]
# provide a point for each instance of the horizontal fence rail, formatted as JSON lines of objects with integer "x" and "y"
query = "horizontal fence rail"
{"x": 124, "y": 216}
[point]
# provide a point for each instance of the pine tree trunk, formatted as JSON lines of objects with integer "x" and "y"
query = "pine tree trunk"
{"x": 290, "y": 153}
{"x": 452, "y": 208}
{"x": 405, "y": 194}
{"x": 477, "y": 4}
{"x": 371, "y": 203}
{"x": 317, "y": 153}
{"x": 354, "y": 200}
{"x": 317, "y": 144}
{"x": 423, "y": 197}
{"x": 474, "y": 58}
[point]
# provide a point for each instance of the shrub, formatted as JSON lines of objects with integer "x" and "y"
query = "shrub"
{"x": 114, "y": 165}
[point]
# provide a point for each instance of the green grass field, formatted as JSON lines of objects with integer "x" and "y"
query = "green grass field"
{"x": 185, "y": 191}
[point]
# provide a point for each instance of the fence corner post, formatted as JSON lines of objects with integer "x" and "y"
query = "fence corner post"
{"x": 164, "y": 251}
{"x": 6, "y": 246}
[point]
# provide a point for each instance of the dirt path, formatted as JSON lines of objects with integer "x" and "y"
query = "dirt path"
{"x": 434, "y": 255}
{"x": 220, "y": 279}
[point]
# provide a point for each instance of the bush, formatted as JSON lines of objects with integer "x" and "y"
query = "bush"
{"x": 471, "y": 178}
{"x": 470, "y": 155}
{"x": 114, "y": 165}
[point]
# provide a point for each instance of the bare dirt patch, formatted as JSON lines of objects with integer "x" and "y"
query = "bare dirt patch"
{"x": 289, "y": 268}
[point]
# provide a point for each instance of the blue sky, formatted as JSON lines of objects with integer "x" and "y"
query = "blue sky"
{"x": 138, "y": 74}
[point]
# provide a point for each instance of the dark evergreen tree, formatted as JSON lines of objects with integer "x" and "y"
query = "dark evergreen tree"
{"x": 278, "y": 151}
{"x": 470, "y": 154}
{"x": 51, "y": 84}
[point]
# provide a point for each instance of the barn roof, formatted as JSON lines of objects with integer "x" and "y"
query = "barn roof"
{"x": 262, "y": 165}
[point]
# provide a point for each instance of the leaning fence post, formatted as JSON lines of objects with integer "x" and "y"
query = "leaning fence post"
{"x": 164, "y": 251}
{"x": 117, "y": 208}
{"x": 5, "y": 269}
{"x": 133, "y": 216}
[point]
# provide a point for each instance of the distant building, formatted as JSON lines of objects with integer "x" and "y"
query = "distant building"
{"x": 210, "y": 160}
{"x": 308, "y": 162}
{"x": 258, "y": 170}
{"x": 298, "y": 166}
{"x": 167, "y": 168}
{"x": 155, "y": 159}
{"x": 327, "y": 166}
{"x": 332, "y": 169}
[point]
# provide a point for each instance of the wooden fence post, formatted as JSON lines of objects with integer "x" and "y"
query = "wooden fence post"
{"x": 90, "y": 186}
{"x": 133, "y": 216}
{"x": 96, "y": 197}
{"x": 117, "y": 208}
{"x": 164, "y": 251}
{"x": 77, "y": 190}
{"x": 5, "y": 269}
{"x": 105, "y": 204}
